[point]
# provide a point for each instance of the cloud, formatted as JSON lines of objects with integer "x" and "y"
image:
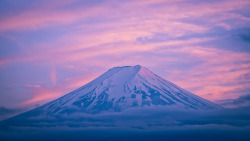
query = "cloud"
{"x": 42, "y": 16}
{"x": 216, "y": 75}
{"x": 166, "y": 36}
{"x": 160, "y": 15}
{"x": 137, "y": 124}
{"x": 241, "y": 101}
{"x": 46, "y": 93}
{"x": 6, "y": 113}
{"x": 32, "y": 86}
{"x": 245, "y": 37}
{"x": 4, "y": 110}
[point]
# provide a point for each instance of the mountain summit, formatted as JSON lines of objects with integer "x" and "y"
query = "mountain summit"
{"x": 121, "y": 88}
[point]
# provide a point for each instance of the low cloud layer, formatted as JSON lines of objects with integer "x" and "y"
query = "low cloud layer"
{"x": 134, "y": 124}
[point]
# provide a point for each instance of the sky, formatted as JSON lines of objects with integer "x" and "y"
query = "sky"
{"x": 49, "y": 48}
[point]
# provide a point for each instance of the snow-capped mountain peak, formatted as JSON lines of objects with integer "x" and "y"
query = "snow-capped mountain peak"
{"x": 122, "y": 88}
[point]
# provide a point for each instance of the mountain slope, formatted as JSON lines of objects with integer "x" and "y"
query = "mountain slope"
{"x": 121, "y": 88}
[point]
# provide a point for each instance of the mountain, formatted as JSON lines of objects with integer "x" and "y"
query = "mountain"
{"x": 152, "y": 109}
{"x": 123, "y": 88}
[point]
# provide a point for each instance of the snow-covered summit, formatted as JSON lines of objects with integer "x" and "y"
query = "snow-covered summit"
{"x": 125, "y": 87}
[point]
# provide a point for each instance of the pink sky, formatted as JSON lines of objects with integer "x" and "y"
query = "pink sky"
{"x": 50, "y": 48}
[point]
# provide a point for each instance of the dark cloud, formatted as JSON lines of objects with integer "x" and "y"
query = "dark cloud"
{"x": 4, "y": 111}
{"x": 239, "y": 102}
{"x": 242, "y": 99}
{"x": 157, "y": 123}
{"x": 245, "y": 37}
{"x": 9, "y": 112}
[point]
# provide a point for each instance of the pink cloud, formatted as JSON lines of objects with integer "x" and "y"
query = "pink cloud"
{"x": 50, "y": 16}
{"x": 161, "y": 17}
{"x": 220, "y": 75}
{"x": 84, "y": 51}
{"x": 113, "y": 42}
{"x": 42, "y": 94}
